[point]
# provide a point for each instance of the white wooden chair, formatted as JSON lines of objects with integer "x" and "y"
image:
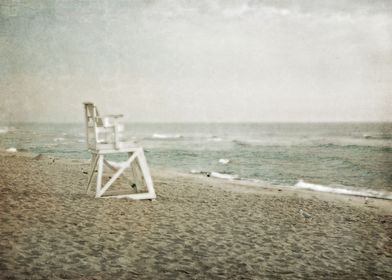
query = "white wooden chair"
{"x": 104, "y": 138}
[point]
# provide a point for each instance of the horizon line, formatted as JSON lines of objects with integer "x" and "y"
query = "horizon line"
{"x": 207, "y": 122}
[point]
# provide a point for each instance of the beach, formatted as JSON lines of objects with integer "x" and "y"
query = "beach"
{"x": 197, "y": 228}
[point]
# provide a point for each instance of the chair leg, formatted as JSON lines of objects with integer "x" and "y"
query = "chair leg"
{"x": 146, "y": 173}
{"x": 99, "y": 175}
{"x": 135, "y": 173}
{"x": 93, "y": 164}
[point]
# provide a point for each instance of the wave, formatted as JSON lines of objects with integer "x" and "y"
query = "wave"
{"x": 241, "y": 143}
{"x": 4, "y": 129}
{"x": 343, "y": 190}
{"x": 218, "y": 175}
{"x": 166, "y": 136}
{"x": 224, "y": 161}
{"x": 11, "y": 150}
{"x": 270, "y": 142}
{"x": 304, "y": 185}
{"x": 342, "y": 143}
{"x": 378, "y": 136}
{"x": 215, "y": 139}
{"x": 58, "y": 139}
{"x": 224, "y": 176}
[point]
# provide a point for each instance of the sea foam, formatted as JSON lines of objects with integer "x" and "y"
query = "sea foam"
{"x": 224, "y": 161}
{"x": 342, "y": 190}
{"x": 224, "y": 176}
{"x": 216, "y": 175}
{"x": 166, "y": 136}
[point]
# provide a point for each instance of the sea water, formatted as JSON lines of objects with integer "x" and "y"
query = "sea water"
{"x": 352, "y": 158}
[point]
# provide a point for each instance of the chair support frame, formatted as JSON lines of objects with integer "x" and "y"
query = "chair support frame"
{"x": 135, "y": 157}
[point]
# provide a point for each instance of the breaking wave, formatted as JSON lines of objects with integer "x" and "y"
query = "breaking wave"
{"x": 342, "y": 190}
{"x": 166, "y": 136}
{"x": 218, "y": 175}
{"x": 224, "y": 176}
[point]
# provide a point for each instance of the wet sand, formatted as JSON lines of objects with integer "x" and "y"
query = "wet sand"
{"x": 198, "y": 228}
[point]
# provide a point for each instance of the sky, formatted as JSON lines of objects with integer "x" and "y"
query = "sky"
{"x": 197, "y": 61}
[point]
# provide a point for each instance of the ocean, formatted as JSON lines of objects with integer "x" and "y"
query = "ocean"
{"x": 351, "y": 158}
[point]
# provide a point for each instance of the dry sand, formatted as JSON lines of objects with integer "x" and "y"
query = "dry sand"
{"x": 198, "y": 228}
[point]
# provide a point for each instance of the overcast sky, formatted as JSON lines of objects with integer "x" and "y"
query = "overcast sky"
{"x": 218, "y": 61}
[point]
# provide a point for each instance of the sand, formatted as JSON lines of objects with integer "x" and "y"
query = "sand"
{"x": 198, "y": 228}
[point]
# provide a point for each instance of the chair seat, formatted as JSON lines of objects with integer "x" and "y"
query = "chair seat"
{"x": 111, "y": 147}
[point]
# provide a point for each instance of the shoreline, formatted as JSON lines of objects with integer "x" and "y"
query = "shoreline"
{"x": 243, "y": 186}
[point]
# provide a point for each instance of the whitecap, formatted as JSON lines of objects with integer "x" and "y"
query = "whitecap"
{"x": 4, "y": 129}
{"x": 11, "y": 150}
{"x": 166, "y": 136}
{"x": 343, "y": 190}
{"x": 58, "y": 139}
{"x": 224, "y": 161}
{"x": 215, "y": 139}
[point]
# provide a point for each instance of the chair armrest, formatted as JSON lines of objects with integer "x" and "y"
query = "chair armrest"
{"x": 109, "y": 120}
{"x": 111, "y": 116}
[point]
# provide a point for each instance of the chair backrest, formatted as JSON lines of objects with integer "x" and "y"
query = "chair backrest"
{"x": 92, "y": 122}
{"x": 104, "y": 130}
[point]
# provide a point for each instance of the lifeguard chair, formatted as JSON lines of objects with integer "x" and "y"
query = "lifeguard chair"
{"x": 104, "y": 138}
